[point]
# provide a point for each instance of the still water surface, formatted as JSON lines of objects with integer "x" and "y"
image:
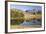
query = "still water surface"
{"x": 26, "y": 22}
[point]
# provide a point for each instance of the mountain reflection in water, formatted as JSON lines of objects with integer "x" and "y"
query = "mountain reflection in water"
{"x": 26, "y": 22}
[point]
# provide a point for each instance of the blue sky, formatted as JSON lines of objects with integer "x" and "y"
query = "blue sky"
{"x": 25, "y": 7}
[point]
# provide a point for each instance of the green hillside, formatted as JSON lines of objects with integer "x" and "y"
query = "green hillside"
{"x": 15, "y": 13}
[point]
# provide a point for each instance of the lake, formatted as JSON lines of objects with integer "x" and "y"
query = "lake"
{"x": 26, "y": 22}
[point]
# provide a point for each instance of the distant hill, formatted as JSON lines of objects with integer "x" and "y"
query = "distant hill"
{"x": 33, "y": 11}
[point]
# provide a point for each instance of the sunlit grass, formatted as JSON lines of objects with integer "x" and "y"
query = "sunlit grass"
{"x": 22, "y": 27}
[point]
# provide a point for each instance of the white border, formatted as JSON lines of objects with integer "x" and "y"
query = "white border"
{"x": 30, "y": 29}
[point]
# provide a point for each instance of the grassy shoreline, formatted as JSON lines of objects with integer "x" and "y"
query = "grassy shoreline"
{"x": 23, "y": 27}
